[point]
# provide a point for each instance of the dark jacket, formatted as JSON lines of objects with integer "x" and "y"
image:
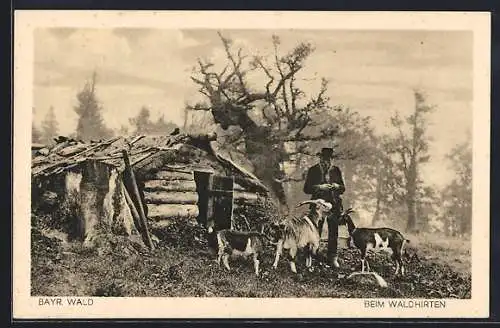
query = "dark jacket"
{"x": 315, "y": 177}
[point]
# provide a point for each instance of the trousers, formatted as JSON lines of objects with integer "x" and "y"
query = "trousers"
{"x": 333, "y": 230}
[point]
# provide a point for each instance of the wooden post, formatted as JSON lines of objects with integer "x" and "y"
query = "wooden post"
{"x": 133, "y": 211}
{"x": 210, "y": 203}
{"x": 135, "y": 194}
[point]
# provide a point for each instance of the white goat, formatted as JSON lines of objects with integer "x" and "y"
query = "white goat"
{"x": 300, "y": 233}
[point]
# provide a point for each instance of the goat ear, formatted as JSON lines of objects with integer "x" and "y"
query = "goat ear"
{"x": 327, "y": 205}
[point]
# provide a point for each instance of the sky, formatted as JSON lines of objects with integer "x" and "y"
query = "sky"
{"x": 372, "y": 72}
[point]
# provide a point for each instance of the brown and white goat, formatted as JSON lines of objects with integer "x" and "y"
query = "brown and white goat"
{"x": 300, "y": 233}
{"x": 375, "y": 240}
{"x": 239, "y": 243}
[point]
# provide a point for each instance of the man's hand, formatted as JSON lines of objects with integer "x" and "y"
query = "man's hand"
{"x": 335, "y": 185}
{"x": 324, "y": 186}
{"x": 328, "y": 186}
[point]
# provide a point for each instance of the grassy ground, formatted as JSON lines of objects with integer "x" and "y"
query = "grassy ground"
{"x": 184, "y": 267}
{"x": 455, "y": 252}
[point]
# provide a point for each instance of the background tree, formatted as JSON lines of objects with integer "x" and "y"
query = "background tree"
{"x": 272, "y": 121}
{"x": 50, "y": 127}
{"x": 409, "y": 148}
{"x": 142, "y": 124}
{"x": 388, "y": 193}
{"x": 427, "y": 204}
{"x": 90, "y": 122}
{"x": 36, "y": 135}
{"x": 123, "y": 130}
{"x": 198, "y": 121}
{"x": 457, "y": 196}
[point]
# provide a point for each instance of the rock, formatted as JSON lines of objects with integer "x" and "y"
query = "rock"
{"x": 367, "y": 278}
{"x": 55, "y": 234}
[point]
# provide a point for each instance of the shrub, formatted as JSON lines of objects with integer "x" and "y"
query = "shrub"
{"x": 254, "y": 216}
{"x": 112, "y": 289}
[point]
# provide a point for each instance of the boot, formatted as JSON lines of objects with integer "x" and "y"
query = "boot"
{"x": 335, "y": 262}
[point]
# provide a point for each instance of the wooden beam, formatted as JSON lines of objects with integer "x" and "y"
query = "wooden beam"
{"x": 166, "y": 197}
{"x": 135, "y": 194}
{"x": 170, "y": 185}
{"x": 242, "y": 195}
{"x": 133, "y": 211}
{"x": 165, "y": 211}
{"x": 173, "y": 175}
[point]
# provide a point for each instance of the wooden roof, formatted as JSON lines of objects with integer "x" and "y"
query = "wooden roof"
{"x": 69, "y": 153}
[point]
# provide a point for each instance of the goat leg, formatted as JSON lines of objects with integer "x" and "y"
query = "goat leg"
{"x": 279, "y": 249}
{"x": 308, "y": 258}
{"x": 363, "y": 260}
{"x": 309, "y": 266}
{"x": 308, "y": 261}
{"x": 256, "y": 264}
{"x": 219, "y": 257}
{"x": 293, "y": 253}
{"x": 225, "y": 259}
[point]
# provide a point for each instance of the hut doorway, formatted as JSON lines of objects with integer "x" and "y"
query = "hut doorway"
{"x": 215, "y": 199}
{"x": 222, "y": 198}
{"x": 202, "y": 180}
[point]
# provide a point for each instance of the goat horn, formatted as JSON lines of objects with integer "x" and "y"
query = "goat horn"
{"x": 306, "y": 202}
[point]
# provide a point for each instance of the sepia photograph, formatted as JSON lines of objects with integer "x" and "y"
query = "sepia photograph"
{"x": 214, "y": 160}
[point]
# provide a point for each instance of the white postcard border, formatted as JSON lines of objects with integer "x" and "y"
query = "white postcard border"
{"x": 25, "y": 306}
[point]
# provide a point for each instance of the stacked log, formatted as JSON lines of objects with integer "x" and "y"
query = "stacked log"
{"x": 171, "y": 194}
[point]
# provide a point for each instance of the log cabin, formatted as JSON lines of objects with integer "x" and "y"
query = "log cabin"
{"x": 130, "y": 183}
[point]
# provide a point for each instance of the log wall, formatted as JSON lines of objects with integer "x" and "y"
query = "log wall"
{"x": 172, "y": 194}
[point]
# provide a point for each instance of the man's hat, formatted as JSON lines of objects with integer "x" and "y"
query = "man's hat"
{"x": 326, "y": 152}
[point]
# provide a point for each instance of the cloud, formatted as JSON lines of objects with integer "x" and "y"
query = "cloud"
{"x": 50, "y": 74}
{"x": 132, "y": 35}
{"x": 84, "y": 48}
{"x": 372, "y": 72}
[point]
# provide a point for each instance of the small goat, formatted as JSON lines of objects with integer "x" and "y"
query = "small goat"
{"x": 375, "y": 239}
{"x": 300, "y": 233}
{"x": 239, "y": 243}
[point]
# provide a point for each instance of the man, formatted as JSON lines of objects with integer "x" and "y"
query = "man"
{"x": 325, "y": 181}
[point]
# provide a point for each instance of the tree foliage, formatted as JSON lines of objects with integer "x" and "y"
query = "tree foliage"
{"x": 36, "y": 135}
{"x": 143, "y": 125}
{"x": 90, "y": 122}
{"x": 50, "y": 127}
{"x": 409, "y": 149}
{"x": 457, "y": 196}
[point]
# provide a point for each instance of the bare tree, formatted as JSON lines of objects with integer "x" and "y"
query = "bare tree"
{"x": 284, "y": 112}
